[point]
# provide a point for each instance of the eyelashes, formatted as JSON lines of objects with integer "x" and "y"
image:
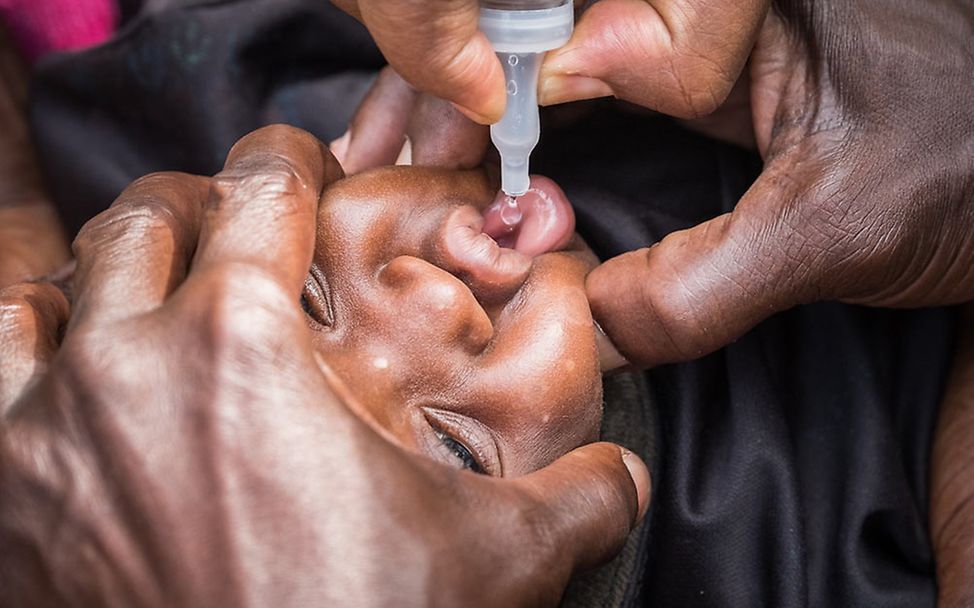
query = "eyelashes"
{"x": 316, "y": 298}
{"x": 316, "y": 302}
{"x": 305, "y": 305}
{"x": 460, "y": 451}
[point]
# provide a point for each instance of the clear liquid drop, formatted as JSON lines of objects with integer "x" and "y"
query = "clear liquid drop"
{"x": 511, "y": 88}
{"x": 512, "y": 60}
{"x": 510, "y": 213}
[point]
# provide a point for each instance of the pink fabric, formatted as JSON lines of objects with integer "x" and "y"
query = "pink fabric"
{"x": 39, "y": 27}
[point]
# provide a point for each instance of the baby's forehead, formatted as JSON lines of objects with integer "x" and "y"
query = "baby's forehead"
{"x": 429, "y": 185}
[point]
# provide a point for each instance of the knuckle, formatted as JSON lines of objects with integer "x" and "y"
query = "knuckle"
{"x": 672, "y": 307}
{"x": 26, "y": 306}
{"x": 264, "y": 175}
{"x": 154, "y": 183}
{"x": 16, "y": 312}
{"x": 244, "y": 309}
{"x": 142, "y": 214}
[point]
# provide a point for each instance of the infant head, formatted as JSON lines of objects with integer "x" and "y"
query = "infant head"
{"x": 478, "y": 354}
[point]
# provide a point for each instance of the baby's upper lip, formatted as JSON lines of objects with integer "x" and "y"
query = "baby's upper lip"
{"x": 470, "y": 243}
{"x": 492, "y": 272}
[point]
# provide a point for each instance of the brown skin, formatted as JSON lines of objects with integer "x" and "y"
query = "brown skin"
{"x": 391, "y": 114}
{"x": 863, "y": 114}
{"x": 952, "y": 479}
{"x": 502, "y": 357}
{"x": 229, "y": 472}
{"x": 32, "y": 242}
{"x": 865, "y": 196}
{"x": 438, "y": 49}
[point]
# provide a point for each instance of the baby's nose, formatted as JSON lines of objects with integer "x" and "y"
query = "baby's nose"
{"x": 434, "y": 304}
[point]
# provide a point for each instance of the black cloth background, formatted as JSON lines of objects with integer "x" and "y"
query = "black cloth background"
{"x": 792, "y": 466}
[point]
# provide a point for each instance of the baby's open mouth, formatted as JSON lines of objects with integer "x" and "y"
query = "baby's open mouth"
{"x": 539, "y": 221}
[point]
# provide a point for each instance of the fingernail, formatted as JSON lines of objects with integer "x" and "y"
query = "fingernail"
{"x": 641, "y": 479}
{"x": 406, "y": 153}
{"x": 609, "y": 357}
{"x": 339, "y": 147}
{"x": 560, "y": 89}
{"x": 475, "y": 116}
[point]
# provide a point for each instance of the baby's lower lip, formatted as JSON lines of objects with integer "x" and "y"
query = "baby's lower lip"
{"x": 539, "y": 221}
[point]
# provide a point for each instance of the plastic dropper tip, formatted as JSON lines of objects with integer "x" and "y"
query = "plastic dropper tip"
{"x": 515, "y": 180}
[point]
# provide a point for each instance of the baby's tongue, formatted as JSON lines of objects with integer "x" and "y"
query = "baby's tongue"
{"x": 539, "y": 221}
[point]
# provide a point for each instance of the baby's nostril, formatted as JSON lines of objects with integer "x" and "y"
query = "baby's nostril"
{"x": 435, "y": 303}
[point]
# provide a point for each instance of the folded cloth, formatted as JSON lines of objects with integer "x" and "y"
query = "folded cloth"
{"x": 39, "y": 27}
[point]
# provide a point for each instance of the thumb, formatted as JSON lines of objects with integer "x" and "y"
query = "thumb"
{"x": 698, "y": 289}
{"x": 437, "y": 48}
{"x": 679, "y": 57}
{"x": 590, "y": 499}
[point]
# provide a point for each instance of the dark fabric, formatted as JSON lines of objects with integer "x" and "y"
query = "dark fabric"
{"x": 791, "y": 467}
{"x": 183, "y": 81}
{"x": 629, "y": 419}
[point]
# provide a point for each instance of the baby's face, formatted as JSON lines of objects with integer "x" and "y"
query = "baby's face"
{"x": 477, "y": 355}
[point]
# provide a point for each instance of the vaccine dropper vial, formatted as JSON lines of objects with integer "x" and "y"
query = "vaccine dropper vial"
{"x": 521, "y": 32}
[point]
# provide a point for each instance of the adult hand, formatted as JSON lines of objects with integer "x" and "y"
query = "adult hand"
{"x": 397, "y": 124}
{"x": 437, "y": 48}
{"x": 32, "y": 242}
{"x": 677, "y": 56}
{"x": 952, "y": 478}
{"x": 864, "y": 118}
{"x": 186, "y": 447}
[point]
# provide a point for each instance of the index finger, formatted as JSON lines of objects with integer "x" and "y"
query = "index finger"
{"x": 438, "y": 48}
{"x": 263, "y": 206}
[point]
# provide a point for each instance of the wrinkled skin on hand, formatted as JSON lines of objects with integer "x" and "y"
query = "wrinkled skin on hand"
{"x": 438, "y": 49}
{"x": 864, "y": 119}
{"x": 185, "y": 447}
{"x": 863, "y": 114}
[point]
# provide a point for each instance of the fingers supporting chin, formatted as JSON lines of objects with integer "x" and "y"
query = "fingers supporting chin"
{"x": 590, "y": 499}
